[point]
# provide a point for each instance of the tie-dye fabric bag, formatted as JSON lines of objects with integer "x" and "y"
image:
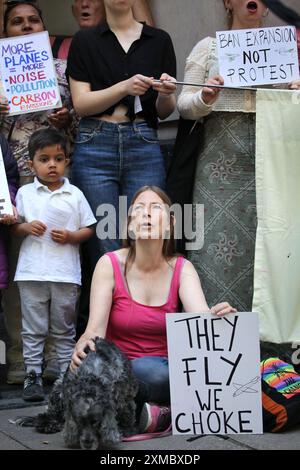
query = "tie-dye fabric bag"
{"x": 280, "y": 395}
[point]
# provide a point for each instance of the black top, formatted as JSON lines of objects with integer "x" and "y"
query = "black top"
{"x": 97, "y": 57}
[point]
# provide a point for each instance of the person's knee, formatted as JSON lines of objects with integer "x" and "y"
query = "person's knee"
{"x": 154, "y": 374}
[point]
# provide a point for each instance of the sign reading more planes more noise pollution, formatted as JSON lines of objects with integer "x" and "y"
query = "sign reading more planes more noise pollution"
{"x": 214, "y": 369}
{"x": 5, "y": 203}
{"x": 262, "y": 56}
{"x": 27, "y": 73}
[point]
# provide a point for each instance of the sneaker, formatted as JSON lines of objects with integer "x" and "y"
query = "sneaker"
{"x": 16, "y": 373}
{"x": 154, "y": 419}
{"x": 51, "y": 371}
{"x": 33, "y": 387}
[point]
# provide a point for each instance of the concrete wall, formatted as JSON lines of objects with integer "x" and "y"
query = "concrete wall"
{"x": 187, "y": 21}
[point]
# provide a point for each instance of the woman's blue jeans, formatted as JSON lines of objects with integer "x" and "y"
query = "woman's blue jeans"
{"x": 111, "y": 160}
{"x": 152, "y": 373}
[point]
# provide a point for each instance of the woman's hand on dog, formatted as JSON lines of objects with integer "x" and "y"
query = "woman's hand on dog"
{"x": 80, "y": 352}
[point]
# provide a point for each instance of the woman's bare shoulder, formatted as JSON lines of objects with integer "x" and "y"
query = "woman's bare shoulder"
{"x": 121, "y": 254}
{"x": 173, "y": 260}
{"x": 188, "y": 268}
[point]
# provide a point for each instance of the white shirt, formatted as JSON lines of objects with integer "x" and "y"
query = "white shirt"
{"x": 40, "y": 258}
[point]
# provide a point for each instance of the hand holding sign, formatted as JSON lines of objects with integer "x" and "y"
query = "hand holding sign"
{"x": 8, "y": 219}
{"x": 60, "y": 119}
{"x": 222, "y": 309}
{"x": 294, "y": 85}
{"x": 4, "y": 106}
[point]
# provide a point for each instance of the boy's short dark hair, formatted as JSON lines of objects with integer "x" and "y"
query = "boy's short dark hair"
{"x": 45, "y": 137}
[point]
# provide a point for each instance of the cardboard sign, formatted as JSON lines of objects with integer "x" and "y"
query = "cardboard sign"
{"x": 258, "y": 56}
{"x": 5, "y": 202}
{"x": 214, "y": 367}
{"x": 28, "y": 75}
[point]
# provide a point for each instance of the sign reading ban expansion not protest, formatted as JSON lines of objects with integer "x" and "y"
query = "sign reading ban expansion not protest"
{"x": 258, "y": 56}
{"x": 214, "y": 366}
{"x": 28, "y": 75}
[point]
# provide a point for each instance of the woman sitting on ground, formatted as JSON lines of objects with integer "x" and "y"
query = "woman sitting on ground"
{"x": 132, "y": 290}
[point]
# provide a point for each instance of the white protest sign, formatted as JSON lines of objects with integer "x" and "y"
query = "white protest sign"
{"x": 5, "y": 202}
{"x": 27, "y": 73}
{"x": 258, "y": 56}
{"x": 214, "y": 367}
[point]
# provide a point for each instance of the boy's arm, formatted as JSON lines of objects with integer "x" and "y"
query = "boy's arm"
{"x": 74, "y": 238}
{"x": 35, "y": 228}
{"x": 87, "y": 222}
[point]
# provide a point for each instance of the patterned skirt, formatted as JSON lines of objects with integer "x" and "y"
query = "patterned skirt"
{"x": 225, "y": 185}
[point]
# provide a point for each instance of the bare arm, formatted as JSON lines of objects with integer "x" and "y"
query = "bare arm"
{"x": 100, "y": 304}
{"x": 87, "y": 102}
{"x": 36, "y": 228}
{"x": 190, "y": 291}
{"x": 192, "y": 296}
{"x": 74, "y": 238}
{"x": 142, "y": 12}
{"x": 194, "y": 102}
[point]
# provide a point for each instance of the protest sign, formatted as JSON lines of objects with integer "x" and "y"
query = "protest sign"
{"x": 5, "y": 203}
{"x": 258, "y": 56}
{"x": 27, "y": 73}
{"x": 214, "y": 366}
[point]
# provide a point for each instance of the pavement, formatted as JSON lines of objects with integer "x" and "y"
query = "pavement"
{"x": 14, "y": 437}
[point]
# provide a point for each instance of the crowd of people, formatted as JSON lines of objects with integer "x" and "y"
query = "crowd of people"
{"x": 116, "y": 79}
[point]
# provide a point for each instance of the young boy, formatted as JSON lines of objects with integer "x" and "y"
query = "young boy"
{"x": 57, "y": 218}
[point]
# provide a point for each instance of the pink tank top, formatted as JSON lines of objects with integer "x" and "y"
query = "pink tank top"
{"x": 138, "y": 329}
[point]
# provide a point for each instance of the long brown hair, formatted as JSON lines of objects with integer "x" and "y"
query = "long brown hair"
{"x": 168, "y": 249}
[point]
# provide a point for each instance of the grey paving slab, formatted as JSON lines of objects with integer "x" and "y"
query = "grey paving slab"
{"x": 181, "y": 443}
{"x": 7, "y": 443}
{"x": 288, "y": 440}
{"x": 30, "y": 439}
{"x": 17, "y": 437}
{"x": 27, "y": 436}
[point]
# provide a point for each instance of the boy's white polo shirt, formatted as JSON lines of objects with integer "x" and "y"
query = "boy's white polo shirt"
{"x": 41, "y": 261}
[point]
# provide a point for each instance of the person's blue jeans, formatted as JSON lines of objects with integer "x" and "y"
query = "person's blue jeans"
{"x": 110, "y": 160}
{"x": 152, "y": 374}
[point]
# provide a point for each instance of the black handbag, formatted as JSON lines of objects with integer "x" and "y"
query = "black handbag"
{"x": 181, "y": 171}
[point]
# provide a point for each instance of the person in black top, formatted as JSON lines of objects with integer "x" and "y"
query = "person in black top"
{"x": 111, "y": 70}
